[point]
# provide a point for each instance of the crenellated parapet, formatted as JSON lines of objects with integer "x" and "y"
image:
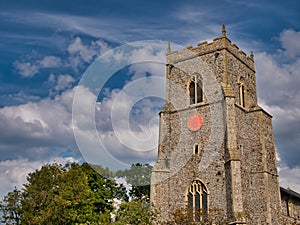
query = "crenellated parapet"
{"x": 218, "y": 44}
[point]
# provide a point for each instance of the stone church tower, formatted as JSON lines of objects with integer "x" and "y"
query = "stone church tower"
{"x": 216, "y": 155}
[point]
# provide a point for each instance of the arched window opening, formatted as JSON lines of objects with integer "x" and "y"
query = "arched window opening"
{"x": 199, "y": 92}
{"x": 195, "y": 90}
{"x": 242, "y": 95}
{"x": 196, "y": 149}
{"x": 197, "y": 201}
{"x": 192, "y": 92}
{"x": 242, "y": 92}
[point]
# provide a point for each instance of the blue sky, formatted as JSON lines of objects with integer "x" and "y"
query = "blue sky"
{"x": 46, "y": 46}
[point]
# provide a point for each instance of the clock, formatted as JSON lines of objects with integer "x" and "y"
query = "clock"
{"x": 195, "y": 122}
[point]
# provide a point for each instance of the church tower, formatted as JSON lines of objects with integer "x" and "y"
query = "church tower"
{"x": 216, "y": 154}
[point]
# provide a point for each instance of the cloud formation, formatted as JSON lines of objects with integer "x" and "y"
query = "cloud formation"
{"x": 37, "y": 132}
{"x": 279, "y": 94}
{"x": 33, "y": 128}
{"x": 13, "y": 173}
{"x": 28, "y": 68}
{"x": 278, "y": 88}
{"x": 79, "y": 54}
{"x": 290, "y": 43}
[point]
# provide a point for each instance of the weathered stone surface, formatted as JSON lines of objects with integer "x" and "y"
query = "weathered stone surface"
{"x": 236, "y": 160}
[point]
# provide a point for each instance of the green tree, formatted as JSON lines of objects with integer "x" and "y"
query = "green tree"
{"x": 39, "y": 194}
{"x": 70, "y": 194}
{"x": 104, "y": 172}
{"x": 77, "y": 194}
{"x": 137, "y": 212}
{"x": 138, "y": 175}
{"x": 11, "y": 208}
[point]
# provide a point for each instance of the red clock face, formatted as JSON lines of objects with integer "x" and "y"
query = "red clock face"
{"x": 195, "y": 122}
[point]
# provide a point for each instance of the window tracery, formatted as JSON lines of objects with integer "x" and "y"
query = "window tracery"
{"x": 197, "y": 201}
{"x": 195, "y": 90}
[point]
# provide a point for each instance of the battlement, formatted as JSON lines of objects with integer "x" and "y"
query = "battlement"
{"x": 218, "y": 44}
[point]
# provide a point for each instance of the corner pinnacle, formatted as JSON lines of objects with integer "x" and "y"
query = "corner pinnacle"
{"x": 223, "y": 31}
{"x": 169, "y": 48}
{"x": 252, "y": 55}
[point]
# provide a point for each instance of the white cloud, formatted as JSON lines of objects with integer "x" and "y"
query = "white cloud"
{"x": 278, "y": 88}
{"x": 29, "y": 69}
{"x": 85, "y": 52}
{"x": 36, "y": 133}
{"x": 50, "y": 62}
{"x": 154, "y": 68}
{"x": 289, "y": 177}
{"x": 64, "y": 82}
{"x": 43, "y": 129}
{"x": 135, "y": 127}
{"x": 290, "y": 43}
{"x": 80, "y": 53}
{"x": 45, "y": 125}
{"x": 135, "y": 133}
{"x": 13, "y": 173}
{"x": 26, "y": 69}
{"x": 59, "y": 83}
{"x": 20, "y": 97}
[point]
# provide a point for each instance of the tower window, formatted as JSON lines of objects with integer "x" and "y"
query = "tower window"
{"x": 242, "y": 91}
{"x": 195, "y": 90}
{"x": 197, "y": 201}
{"x": 196, "y": 149}
{"x": 192, "y": 92}
{"x": 241, "y": 147}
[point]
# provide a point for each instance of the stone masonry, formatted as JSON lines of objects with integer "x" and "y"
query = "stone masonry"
{"x": 227, "y": 167}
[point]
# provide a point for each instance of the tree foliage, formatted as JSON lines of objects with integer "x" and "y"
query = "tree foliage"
{"x": 11, "y": 208}
{"x": 58, "y": 194}
{"x": 137, "y": 212}
{"x": 77, "y": 194}
{"x": 104, "y": 172}
{"x": 138, "y": 175}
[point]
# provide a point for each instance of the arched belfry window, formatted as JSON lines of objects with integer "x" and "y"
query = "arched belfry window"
{"x": 197, "y": 201}
{"x": 242, "y": 92}
{"x": 195, "y": 90}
